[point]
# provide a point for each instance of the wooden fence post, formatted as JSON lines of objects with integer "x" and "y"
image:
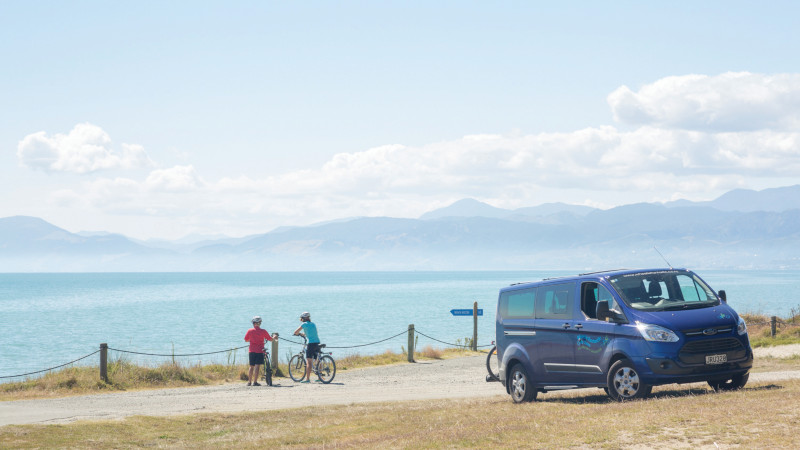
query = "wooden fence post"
{"x": 475, "y": 327}
{"x": 274, "y": 362}
{"x": 104, "y": 362}
{"x": 773, "y": 323}
{"x": 411, "y": 343}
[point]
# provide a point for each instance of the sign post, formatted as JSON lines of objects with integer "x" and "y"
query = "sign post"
{"x": 475, "y": 327}
{"x": 465, "y": 312}
{"x": 474, "y": 312}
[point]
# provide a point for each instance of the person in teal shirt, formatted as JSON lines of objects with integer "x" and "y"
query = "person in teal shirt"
{"x": 309, "y": 330}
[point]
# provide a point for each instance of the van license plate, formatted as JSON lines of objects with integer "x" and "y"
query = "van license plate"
{"x": 716, "y": 359}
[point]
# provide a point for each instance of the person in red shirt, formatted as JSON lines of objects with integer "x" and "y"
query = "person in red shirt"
{"x": 256, "y": 337}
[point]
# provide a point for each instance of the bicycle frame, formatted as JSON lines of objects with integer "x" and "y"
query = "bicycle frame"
{"x": 315, "y": 363}
{"x": 267, "y": 368}
{"x": 316, "y": 358}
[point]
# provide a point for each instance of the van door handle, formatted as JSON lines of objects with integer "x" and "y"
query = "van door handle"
{"x": 565, "y": 326}
{"x": 578, "y": 326}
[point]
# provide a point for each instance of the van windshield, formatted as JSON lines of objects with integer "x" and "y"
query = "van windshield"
{"x": 667, "y": 290}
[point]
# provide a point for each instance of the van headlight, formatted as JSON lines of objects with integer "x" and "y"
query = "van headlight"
{"x": 656, "y": 333}
{"x": 742, "y": 327}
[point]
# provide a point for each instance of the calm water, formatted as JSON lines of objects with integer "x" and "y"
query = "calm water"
{"x": 50, "y": 319}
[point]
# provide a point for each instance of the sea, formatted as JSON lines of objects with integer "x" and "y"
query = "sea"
{"x": 48, "y": 319}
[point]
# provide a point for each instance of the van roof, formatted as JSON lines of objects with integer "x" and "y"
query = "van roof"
{"x": 599, "y": 274}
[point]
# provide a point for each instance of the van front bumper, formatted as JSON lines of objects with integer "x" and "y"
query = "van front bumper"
{"x": 667, "y": 370}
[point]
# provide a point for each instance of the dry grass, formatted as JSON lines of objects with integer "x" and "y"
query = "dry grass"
{"x": 432, "y": 352}
{"x": 759, "y": 416}
{"x": 773, "y": 364}
{"x": 123, "y": 376}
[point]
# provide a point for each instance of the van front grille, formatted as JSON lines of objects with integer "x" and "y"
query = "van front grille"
{"x": 707, "y": 331}
{"x": 712, "y": 346}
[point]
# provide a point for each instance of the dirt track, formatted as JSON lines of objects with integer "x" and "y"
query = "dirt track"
{"x": 453, "y": 378}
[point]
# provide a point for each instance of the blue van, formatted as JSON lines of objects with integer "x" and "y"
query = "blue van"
{"x": 624, "y": 330}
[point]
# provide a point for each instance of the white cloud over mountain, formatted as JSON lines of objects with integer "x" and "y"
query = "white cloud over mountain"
{"x": 735, "y": 102}
{"x": 86, "y": 148}
{"x": 695, "y": 133}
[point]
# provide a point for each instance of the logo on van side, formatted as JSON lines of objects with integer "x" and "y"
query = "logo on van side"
{"x": 595, "y": 345}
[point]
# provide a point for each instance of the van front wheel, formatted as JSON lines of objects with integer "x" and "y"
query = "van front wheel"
{"x": 520, "y": 386}
{"x": 624, "y": 382}
{"x": 730, "y": 384}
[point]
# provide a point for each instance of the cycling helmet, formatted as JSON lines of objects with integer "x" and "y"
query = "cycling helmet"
{"x": 305, "y": 315}
{"x": 256, "y": 319}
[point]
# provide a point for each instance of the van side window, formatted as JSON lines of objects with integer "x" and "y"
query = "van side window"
{"x": 555, "y": 301}
{"x": 605, "y": 294}
{"x": 517, "y": 304}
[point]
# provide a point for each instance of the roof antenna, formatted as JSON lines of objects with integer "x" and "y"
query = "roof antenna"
{"x": 662, "y": 257}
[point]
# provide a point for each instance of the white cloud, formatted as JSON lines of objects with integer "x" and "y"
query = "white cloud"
{"x": 175, "y": 179}
{"x": 505, "y": 170}
{"x": 598, "y": 165}
{"x": 740, "y": 101}
{"x": 86, "y": 148}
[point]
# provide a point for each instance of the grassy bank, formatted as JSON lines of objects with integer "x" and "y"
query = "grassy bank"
{"x": 759, "y": 416}
{"x": 760, "y": 330}
{"x": 124, "y": 375}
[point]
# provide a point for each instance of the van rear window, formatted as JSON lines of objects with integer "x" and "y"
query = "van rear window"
{"x": 517, "y": 304}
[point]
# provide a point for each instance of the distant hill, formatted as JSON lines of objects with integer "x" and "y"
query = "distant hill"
{"x": 474, "y": 208}
{"x": 745, "y": 200}
{"x": 762, "y": 232}
{"x": 467, "y": 207}
{"x": 30, "y": 244}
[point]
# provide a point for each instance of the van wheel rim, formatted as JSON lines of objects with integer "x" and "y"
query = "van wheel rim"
{"x": 519, "y": 385}
{"x": 626, "y": 382}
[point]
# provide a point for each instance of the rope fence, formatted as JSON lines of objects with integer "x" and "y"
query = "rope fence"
{"x": 51, "y": 368}
{"x": 104, "y": 348}
{"x": 178, "y": 354}
{"x": 449, "y": 343}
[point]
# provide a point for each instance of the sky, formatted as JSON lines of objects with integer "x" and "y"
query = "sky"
{"x": 164, "y": 119}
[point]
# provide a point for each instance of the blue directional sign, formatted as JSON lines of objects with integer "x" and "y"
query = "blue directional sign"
{"x": 465, "y": 312}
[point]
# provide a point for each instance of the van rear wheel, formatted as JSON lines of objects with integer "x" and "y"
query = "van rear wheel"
{"x": 520, "y": 386}
{"x": 624, "y": 382}
{"x": 730, "y": 384}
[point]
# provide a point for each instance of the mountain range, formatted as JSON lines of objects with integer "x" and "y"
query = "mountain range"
{"x": 740, "y": 229}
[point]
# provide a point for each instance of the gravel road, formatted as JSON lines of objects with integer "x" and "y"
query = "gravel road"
{"x": 452, "y": 378}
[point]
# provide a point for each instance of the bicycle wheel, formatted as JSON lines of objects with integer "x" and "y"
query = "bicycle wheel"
{"x": 297, "y": 367}
{"x": 492, "y": 364}
{"x": 267, "y": 370}
{"x": 326, "y": 369}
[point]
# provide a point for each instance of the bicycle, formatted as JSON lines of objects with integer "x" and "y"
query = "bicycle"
{"x": 323, "y": 366}
{"x": 267, "y": 368}
{"x": 492, "y": 365}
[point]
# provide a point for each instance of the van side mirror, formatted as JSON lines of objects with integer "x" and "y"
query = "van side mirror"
{"x": 723, "y": 295}
{"x": 603, "y": 313}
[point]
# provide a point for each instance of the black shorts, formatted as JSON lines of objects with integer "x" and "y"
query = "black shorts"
{"x": 312, "y": 350}
{"x": 256, "y": 358}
